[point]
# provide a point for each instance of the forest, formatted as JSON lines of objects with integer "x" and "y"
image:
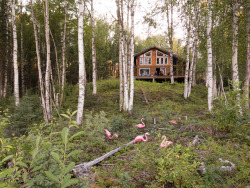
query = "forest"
{"x": 72, "y": 113}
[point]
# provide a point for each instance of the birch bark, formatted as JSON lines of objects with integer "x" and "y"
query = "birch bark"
{"x": 120, "y": 54}
{"x": 247, "y": 77}
{"x": 16, "y": 74}
{"x": 22, "y": 53}
{"x": 64, "y": 51}
{"x": 209, "y": 58}
{"x": 7, "y": 52}
{"x": 187, "y": 59}
{"x": 82, "y": 72}
{"x": 93, "y": 50}
{"x": 132, "y": 44}
{"x": 48, "y": 63}
{"x": 41, "y": 84}
{"x": 170, "y": 36}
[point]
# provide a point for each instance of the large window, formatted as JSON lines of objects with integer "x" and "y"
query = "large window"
{"x": 161, "y": 59}
{"x": 144, "y": 71}
{"x": 145, "y": 59}
{"x": 161, "y": 71}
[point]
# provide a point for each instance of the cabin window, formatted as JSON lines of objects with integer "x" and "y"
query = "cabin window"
{"x": 149, "y": 60}
{"x": 159, "y": 53}
{"x": 141, "y": 60}
{"x": 166, "y": 60}
{"x": 148, "y": 54}
{"x": 145, "y": 61}
{"x": 144, "y": 71}
{"x": 160, "y": 71}
{"x": 162, "y": 61}
{"x": 161, "y": 58}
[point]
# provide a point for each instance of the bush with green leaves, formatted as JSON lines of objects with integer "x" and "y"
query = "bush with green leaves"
{"x": 95, "y": 125}
{"x": 178, "y": 165}
{"x": 26, "y": 114}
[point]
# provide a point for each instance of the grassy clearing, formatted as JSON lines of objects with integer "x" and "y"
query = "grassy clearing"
{"x": 142, "y": 164}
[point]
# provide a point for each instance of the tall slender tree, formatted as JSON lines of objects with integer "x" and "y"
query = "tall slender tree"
{"x": 209, "y": 56}
{"x": 169, "y": 10}
{"x": 94, "y": 69}
{"x": 82, "y": 72}
{"x": 16, "y": 74}
{"x": 132, "y": 46}
{"x": 22, "y": 52}
{"x": 64, "y": 51}
{"x": 247, "y": 77}
{"x": 41, "y": 82}
{"x": 187, "y": 56}
{"x": 48, "y": 63}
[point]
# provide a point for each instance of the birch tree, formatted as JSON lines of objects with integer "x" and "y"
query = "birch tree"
{"x": 132, "y": 46}
{"x": 170, "y": 34}
{"x": 209, "y": 57}
{"x": 16, "y": 75}
{"x": 41, "y": 83}
{"x": 22, "y": 53}
{"x": 247, "y": 77}
{"x": 64, "y": 52}
{"x": 187, "y": 57}
{"x": 93, "y": 49}
{"x": 7, "y": 51}
{"x": 82, "y": 75}
{"x": 48, "y": 63}
{"x": 120, "y": 53}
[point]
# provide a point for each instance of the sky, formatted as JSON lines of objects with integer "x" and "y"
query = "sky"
{"x": 108, "y": 8}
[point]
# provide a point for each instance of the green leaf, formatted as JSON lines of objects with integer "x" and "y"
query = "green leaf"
{"x": 69, "y": 167}
{"x": 20, "y": 163}
{"x": 46, "y": 146}
{"x": 64, "y": 115}
{"x": 73, "y": 113}
{"x": 66, "y": 178}
{"x": 65, "y": 133}
{"x": 70, "y": 182}
{"x": 6, "y": 172}
{"x": 36, "y": 168}
{"x": 73, "y": 125}
{"x": 6, "y": 158}
{"x": 56, "y": 157}
{"x": 74, "y": 152}
{"x": 75, "y": 135}
{"x": 38, "y": 141}
{"x": 51, "y": 176}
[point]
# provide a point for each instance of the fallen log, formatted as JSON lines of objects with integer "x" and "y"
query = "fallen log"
{"x": 82, "y": 170}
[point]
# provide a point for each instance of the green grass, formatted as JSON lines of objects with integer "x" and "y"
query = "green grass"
{"x": 146, "y": 164}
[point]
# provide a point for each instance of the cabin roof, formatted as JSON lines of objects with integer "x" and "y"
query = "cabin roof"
{"x": 157, "y": 48}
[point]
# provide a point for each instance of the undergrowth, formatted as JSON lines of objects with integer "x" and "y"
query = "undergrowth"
{"x": 33, "y": 153}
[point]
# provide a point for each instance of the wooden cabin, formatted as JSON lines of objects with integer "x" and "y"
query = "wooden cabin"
{"x": 154, "y": 63}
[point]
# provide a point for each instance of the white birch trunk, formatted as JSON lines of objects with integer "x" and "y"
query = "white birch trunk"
{"x": 16, "y": 75}
{"x": 187, "y": 59}
{"x": 192, "y": 65}
{"x": 132, "y": 46}
{"x": 48, "y": 63}
{"x": 41, "y": 84}
{"x": 247, "y": 77}
{"x": 120, "y": 54}
{"x": 209, "y": 58}
{"x": 22, "y": 53}
{"x": 214, "y": 77}
{"x": 82, "y": 72}
{"x": 93, "y": 50}
{"x": 64, "y": 52}
{"x": 7, "y": 53}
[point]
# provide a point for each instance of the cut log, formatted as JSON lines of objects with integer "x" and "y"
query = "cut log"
{"x": 82, "y": 170}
